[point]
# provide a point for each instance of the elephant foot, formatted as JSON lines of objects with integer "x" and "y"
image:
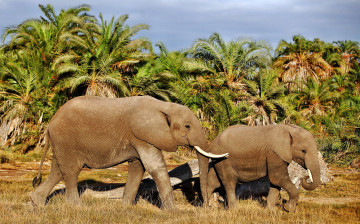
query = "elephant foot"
{"x": 73, "y": 202}
{"x": 174, "y": 210}
{"x": 36, "y": 201}
{"x": 270, "y": 206}
{"x": 127, "y": 203}
{"x": 270, "y": 203}
{"x": 168, "y": 207}
{"x": 290, "y": 206}
{"x": 232, "y": 207}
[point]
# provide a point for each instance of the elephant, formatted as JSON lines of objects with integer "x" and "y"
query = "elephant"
{"x": 99, "y": 132}
{"x": 256, "y": 152}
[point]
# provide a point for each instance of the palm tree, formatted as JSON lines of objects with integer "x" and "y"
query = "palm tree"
{"x": 342, "y": 83}
{"x": 185, "y": 77}
{"x": 94, "y": 78}
{"x": 26, "y": 75}
{"x": 115, "y": 41}
{"x": 104, "y": 61}
{"x": 349, "y": 51}
{"x": 315, "y": 102}
{"x": 49, "y": 36}
{"x": 23, "y": 98}
{"x": 298, "y": 63}
{"x": 173, "y": 63}
{"x": 354, "y": 76}
{"x": 147, "y": 83}
{"x": 233, "y": 60}
{"x": 224, "y": 112}
{"x": 265, "y": 96}
{"x": 316, "y": 99}
{"x": 342, "y": 127}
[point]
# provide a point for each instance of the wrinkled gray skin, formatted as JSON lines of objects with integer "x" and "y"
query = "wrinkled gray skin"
{"x": 101, "y": 132}
{"x": 259, "y": 151}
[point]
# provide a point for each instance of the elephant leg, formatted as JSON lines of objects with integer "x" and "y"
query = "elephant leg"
{"x": 72, "y": 194}
{"x": 135, "y": 175}
{"x": 229, "y": 180}
{"x": 38, "y": 197}
{"x": 70, "y": 171}
{"x": 279, "y": 176}
{"x": 293, "y": 195}
{"x": 272, "y": 196}
{"x": 230, "y": 193}
{"x": 213, "y": 183}
{"x": 154, "y": 163}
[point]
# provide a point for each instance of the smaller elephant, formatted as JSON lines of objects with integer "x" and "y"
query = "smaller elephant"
{"x": 259, "y": 151}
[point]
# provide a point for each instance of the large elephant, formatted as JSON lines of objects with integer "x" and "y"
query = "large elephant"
{"x": 259, "y": 151}
{"x": 99, "y": 132}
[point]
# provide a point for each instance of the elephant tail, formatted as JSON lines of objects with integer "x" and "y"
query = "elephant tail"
{"x": 37, "y": 180}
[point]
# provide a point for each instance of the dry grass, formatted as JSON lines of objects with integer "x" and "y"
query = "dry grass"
{"x": 324, "y": 205}
{"x": 15, "y": 209}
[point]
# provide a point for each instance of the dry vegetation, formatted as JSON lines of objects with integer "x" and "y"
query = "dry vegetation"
{"x": 337, "y": 202}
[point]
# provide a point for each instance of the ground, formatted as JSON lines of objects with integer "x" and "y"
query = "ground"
{"x": 27, "y": 171}
{"x": 336, "y": 202}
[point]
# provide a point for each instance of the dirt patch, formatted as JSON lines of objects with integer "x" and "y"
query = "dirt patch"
{"x": 12, "y": 174}
{"x": 26, "y": 170}
{"x": 325, "y": 201}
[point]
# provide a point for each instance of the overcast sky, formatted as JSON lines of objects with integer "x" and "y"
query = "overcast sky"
{"x": 178, "y": 23}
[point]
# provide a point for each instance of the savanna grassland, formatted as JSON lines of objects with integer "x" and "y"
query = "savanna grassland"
{"x": 337, "y": 202}
{"x": 49, "y": 60}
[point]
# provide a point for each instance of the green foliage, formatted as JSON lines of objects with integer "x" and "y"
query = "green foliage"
{"x": 23, "y": 99}
{"x": 234, "y": 60}
{"x": 265, "y": 96}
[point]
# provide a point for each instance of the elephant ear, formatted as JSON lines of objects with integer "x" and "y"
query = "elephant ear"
{"x": 152, "y": 125}
{"x": 280, "y": 141}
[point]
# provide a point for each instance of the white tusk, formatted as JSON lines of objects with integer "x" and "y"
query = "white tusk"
{"x": 209, "y": 154}
{"x": 310, "y": 176}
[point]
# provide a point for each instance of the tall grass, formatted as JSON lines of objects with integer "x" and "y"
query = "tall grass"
{"x": 15, "y": 209}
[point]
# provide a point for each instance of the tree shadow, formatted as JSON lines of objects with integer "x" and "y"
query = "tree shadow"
{"x": 147, "y": 190}
{"x": 88, "y": 184}
{"x": 255, "y": 190}
{"x": 190, "y": 189}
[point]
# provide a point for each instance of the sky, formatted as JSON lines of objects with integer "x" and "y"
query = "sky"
{"x": 179, "y": 23}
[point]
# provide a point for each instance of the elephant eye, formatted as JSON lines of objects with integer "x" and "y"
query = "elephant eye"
{"x": 187, "y": 126}
{"x": 303, "y": 151}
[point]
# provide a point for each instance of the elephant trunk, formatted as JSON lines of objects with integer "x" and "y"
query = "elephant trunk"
{"x": 203, "y": 170}
{"x": 201, "y": 145}
{"x": 313, "y": 166}
{"x": 203, "y": 161}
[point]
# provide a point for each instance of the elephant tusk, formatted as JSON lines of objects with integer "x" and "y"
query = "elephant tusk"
{"x": 209, "y": 154}
{"x": 310, "y": 176}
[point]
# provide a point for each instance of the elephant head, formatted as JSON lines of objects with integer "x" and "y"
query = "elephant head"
{"x": 299, "y": 145}
{"x": 168, "y": 125}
